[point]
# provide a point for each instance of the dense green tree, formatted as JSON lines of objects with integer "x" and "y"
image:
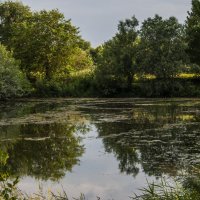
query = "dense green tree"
{"x": 11, "y": 13}
{"x": 193, "y": 32}
{"x": 58, "y": 62}
{"x": 48, "y": 46}
{"x": 44, "y": 44}
{"x": 96, "y": 54}
{"x": 117, "y": 59}
{"x": 12, "y": 80}
{"x": 162, "y": 47}
{"x": 80, "y": 60}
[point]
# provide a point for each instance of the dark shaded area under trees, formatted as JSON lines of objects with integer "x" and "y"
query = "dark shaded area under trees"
{"x": 43, "y": 55}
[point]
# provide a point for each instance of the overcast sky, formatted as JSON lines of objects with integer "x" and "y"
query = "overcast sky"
{"x": 98, "y": 19}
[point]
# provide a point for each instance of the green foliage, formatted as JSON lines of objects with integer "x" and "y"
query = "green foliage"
{"x": 116, "y": 61}
{"x": 177, "y": 87}
{"x": 53, "y": 56}
{"x": 48, "y": 46}
{"x": 80, "y": 60}
{"x": 158, "y": 50}
{"x": 7, "y": 188}
{"x": 193, "y": 32}
{"x": 162, "y": 48}
{"x": 12, "y": 80}
{"x": 44, "y": 43}
{"x": 166, "y": 191}
{"x": 82, "y": 85}
{"x": 10, "y": 14}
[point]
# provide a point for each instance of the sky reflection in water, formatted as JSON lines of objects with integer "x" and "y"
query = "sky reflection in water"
{"x": 105, "y": 147}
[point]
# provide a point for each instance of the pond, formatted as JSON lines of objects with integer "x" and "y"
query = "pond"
{"x": 99, "y": 147}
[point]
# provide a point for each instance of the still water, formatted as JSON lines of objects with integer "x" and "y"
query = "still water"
{"x": 99, "y": 147}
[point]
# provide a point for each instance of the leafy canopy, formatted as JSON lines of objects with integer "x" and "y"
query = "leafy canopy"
{"x": 11, "y": 13}
{"x": 117, "y": 56}
{"x": 46, "y": 44}
{"x": 193, "y": 32}
{"x": 162, "y": 47}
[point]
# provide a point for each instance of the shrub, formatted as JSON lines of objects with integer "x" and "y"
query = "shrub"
{"x": 12, "y": 81}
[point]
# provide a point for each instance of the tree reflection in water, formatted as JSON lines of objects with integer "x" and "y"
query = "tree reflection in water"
{"x": 44, "y": 150}
{"x": 162, "y": 139}
{"x": 156, "y": 137}
{"x": 51, "y": 150}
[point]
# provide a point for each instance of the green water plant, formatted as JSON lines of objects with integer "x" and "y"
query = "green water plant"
{"x": 167, "y": 191}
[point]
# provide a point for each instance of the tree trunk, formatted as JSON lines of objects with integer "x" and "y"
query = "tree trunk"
{"x": 129, "y": 81}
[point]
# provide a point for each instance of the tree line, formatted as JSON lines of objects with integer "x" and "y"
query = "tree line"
{"x": 43, "y": 54}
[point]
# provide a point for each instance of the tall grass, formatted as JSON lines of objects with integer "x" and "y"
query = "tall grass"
{"x": 166, "y": 191}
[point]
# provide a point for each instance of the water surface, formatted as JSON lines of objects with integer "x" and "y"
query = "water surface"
{"x": 100, "y": 147}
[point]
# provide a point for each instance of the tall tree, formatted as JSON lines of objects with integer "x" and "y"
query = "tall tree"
{"x": 162, "y": 47}
{"x": 117, "y": 58}
{"x": 11, "y": 13}
{"x": 193, "y": 32}
{"x": 44, "y": 43}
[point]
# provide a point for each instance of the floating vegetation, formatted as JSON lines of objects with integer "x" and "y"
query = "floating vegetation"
{"x": 46, "y": 139}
